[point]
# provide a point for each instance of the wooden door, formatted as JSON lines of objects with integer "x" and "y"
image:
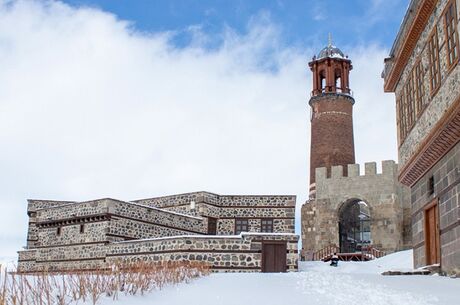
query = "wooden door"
{"x": 274, "y": 257}
{"x": 432, "y": 234}
{"x": 212, "y": 226}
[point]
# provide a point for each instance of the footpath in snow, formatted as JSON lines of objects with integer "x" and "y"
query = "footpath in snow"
{"x": 316, "y": 283}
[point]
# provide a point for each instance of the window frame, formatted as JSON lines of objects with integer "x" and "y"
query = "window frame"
{"x": 419, "y": 80}
{"x": 453, "y": 35}
{"x": 434, "y": 60}
{"x": 266, "y": 225}
{"x": 240, "y": 230}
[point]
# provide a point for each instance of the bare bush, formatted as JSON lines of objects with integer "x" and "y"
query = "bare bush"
{"x": 134, "y": 278}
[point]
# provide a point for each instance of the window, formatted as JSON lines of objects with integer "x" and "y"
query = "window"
{"x": 266, "y": 225}
{"x": 419, "y": 89}
{"x": 433, "y": 52}
{"x": 212, "y": 226}
{"x": 409, "y": 103}
{"x": 58, "y": 231}
{"x": 402, "y": 116}
{"x": 450, "y": 19}
{"x": 430, "y": 186}
{"x": 241, "y": 225}
{"x": 82, "y": 229}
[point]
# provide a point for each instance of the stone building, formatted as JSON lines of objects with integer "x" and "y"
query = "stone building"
{"x": 232, "y": 233}
{"x": 422, "y": 70}
{"x": 346, "y": 211}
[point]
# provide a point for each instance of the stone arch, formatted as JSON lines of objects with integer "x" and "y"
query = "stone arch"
{"x": 355, "y": 225}
{"x": 338, "y": 79}
{"x": 322, "y": 80}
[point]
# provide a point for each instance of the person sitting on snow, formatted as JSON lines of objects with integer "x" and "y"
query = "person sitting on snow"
{"x": 334, "y": 260}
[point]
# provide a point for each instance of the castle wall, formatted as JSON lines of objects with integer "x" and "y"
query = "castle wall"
{"x": 386, "y": 198}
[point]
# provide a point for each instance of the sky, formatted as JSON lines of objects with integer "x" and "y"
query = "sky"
{"x": 137, "y": 99}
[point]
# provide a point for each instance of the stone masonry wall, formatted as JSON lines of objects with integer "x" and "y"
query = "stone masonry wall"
{"x": 446, "y": 174}
{"x": 230, "y": 253}
{"x": 444, "y": 97}
{"x": 386, "y": 198}
{"x": 70, "y": 235}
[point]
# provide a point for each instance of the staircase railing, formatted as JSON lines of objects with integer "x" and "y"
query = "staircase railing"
{"x": 367, "y": 253}
{"x": 325, "y": 252}
{"x": 372, "y": 252}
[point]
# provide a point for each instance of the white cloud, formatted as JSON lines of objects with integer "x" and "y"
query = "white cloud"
{"x": 91, "y": 108}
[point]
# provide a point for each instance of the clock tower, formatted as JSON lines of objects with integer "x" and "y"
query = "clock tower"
{"x": 331, "y": 105}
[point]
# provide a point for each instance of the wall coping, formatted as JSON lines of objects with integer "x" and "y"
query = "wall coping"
{"x": 239, "y": 236}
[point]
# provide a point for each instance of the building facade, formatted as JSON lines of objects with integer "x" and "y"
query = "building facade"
{"x": 231, "y": 233}
{"x": 347, "y": 212}
{"x": 422, "y": 70}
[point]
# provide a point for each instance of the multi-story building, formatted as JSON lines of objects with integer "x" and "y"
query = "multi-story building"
{"x": 231, "y": 233}
{"x": 422, "y": 70}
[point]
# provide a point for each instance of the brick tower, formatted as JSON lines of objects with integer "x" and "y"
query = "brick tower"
{"x": 331, "y": 113}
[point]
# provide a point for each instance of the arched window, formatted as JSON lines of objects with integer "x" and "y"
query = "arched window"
{"x": 322, "y": 80}
{"x": 338, "y": 80}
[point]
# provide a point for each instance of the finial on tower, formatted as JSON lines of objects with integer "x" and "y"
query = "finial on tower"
{"x": 329, "y": 40}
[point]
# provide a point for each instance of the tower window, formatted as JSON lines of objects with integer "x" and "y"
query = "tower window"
{"x": 82, "y": 229}
{"x": 450, "y": 19}
{"x": 58, "y": 231}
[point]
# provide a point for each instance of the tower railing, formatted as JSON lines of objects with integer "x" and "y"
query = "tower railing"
{"x": 338, "y": 91}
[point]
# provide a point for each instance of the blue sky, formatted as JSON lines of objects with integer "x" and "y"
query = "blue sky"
{"x": 302, "y": 22}
{"x": 141, "y": 98}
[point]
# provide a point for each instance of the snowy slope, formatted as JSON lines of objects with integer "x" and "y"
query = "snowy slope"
{"x": 316, "y": 283}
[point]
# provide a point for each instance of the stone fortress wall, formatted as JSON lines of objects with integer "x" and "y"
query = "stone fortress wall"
{"x": 94, "y": 234}
{"x": 388, "y": 202}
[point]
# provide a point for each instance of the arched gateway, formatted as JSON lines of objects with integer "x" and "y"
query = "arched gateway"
{"x": 354, "y": 226}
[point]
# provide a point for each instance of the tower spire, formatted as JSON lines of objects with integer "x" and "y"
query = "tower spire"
{"x": 329, "y": 40}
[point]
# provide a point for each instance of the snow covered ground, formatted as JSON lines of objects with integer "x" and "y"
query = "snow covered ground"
{"x": 316, "y": 283}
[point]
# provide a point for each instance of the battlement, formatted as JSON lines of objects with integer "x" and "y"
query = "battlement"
{"x": 389, "y": 168}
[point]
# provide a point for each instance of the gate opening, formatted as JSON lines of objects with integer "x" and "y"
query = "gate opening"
{"x": 354, "y": 226}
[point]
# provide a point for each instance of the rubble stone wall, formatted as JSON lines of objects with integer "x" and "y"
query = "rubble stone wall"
{"x": 229, "y": 253}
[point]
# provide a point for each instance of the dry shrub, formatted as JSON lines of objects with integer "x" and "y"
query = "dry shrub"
{"x": 72, "y": 287}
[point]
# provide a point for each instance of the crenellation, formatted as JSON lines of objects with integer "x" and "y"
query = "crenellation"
{"x": 353, "y": 170}
{"x": 389, "y": 168}
{"x": 337, "y": 172}
{"x": 370, "y": 168}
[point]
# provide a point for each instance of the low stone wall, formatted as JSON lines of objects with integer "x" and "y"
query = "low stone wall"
{"x": 224, "y": 253}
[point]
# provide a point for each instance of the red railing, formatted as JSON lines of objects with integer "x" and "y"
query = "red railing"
{"x": 325, "y": 252}
{"x": 367, "y": 253}
{"x": 372, "y": 252}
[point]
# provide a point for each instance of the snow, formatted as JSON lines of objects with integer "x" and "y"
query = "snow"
{"x": 316, "y": 283}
